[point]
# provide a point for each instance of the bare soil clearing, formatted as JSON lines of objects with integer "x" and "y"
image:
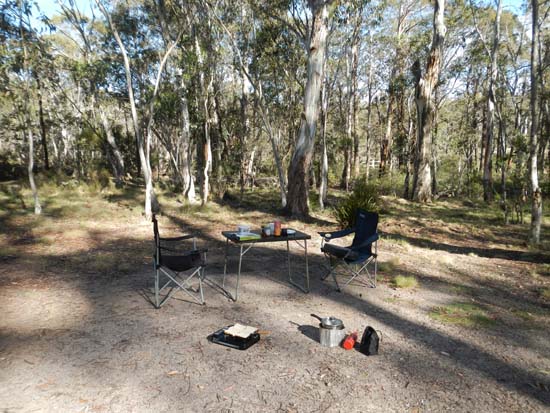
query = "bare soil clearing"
{"x": 78, "y": 332}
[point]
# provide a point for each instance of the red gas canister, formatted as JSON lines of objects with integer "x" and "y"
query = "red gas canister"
{"x": 349, "y": 341}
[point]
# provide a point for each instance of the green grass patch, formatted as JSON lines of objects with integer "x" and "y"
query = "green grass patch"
{"x": 545, "y": 293}
{"x": 463, "y": 314}
{"x": 381, "y": 278}
{"x": 462, "y": 289}
{"x": 543, "y": 270}
{"x": 8, "y": 251}
{"x": 524, "y": 315}
{"x": 397, "y": 240}
{"x": 403, "y": 281}
{"x": 389, "y": 266}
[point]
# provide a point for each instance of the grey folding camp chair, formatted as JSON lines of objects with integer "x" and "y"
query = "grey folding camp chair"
{"x": 179, "y": 265}
{"x": 357, "y": 261}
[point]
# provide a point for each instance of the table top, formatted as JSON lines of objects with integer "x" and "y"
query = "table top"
{"x": 298, "y": 236}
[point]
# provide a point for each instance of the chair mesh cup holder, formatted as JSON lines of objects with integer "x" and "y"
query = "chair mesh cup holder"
{"x": 357, "y": 262}
{"x": 178, "y": 263}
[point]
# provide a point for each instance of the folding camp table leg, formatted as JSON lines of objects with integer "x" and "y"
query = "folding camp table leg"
{"x": 244, "y": 248}
{"x": 300, "y": 287}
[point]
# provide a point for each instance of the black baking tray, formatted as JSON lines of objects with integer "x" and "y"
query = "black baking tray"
{"x": 239, "y": 343}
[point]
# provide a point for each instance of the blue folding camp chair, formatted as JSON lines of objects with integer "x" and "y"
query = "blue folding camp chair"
{"x": 179, "y": 263}
{"x": 354, "y": 261}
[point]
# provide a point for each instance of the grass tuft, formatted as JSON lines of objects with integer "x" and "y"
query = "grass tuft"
{"x": 402, "y": 281}
{"x": 397, "y": 240}
{"x": 524, "y": 315}
{"x": 543, "y": 270}
{"x": 462, "y": 289}
{"x": 545, "y": 293}
{"x": 463, "y": 314}
{"x": 389, "y": 266}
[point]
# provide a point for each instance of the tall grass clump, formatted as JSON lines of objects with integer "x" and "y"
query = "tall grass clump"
{"x": 402, "y": 281}
{"x": 364, "y": 196}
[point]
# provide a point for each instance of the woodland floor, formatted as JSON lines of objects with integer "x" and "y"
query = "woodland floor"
{"x": 78, "y": 332}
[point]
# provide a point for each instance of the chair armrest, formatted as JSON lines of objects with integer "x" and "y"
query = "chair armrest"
{"x": 368, "y": 241}
{"x": 336, "y": 234}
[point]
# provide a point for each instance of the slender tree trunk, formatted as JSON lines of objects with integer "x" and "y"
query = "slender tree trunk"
{"x": 348, "y": 149}
{"x": 26, "y": 112}
{"x": 425, "y": 108}
{"x": 298, "y": 172}
{"x": 118, "y": 161}
{"x": 278, "y": 162}
{"x": 264, "y": 113}
{"x": 394, "y": 89}
{"x": 323, "y": 184}
{"x": 151, "y": 203}
{"x": 43, "y": 129}
{"x": 368, "y": 139}
{"x": 536, "y": 194}
{"x": 354, "y": 108}
{"x": 503, "y": 167}
{"x": 243, "y": 131}
{"x": 385, "y": 146}
{"x": 409, "y": 158}
{"x": 346, "y": 169}
{"x": 205, "y": 152}
{"x": 490, "y": 117}
{"x": 30, "y": 167}
{"x": 185, "y": 145}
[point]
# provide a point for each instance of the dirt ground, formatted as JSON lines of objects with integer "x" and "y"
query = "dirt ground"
{"x": 78, "y": 332}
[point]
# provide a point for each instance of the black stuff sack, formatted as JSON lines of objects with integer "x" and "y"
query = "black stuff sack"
{"x": 369, "y": 342}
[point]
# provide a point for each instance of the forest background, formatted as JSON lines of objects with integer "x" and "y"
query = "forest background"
{"x": 207, "y": 99}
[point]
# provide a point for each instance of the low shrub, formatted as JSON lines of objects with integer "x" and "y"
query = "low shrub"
{"x": 364, "y": 196}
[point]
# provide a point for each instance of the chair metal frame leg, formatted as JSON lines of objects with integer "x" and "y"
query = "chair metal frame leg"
{"x": 368, "y": 279}
{"x": 179, "y": 285}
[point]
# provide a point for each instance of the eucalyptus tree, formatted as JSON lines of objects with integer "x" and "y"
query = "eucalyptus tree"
{"x": 23, "y": 49}
{"x": 536, "y": 193}
{"x": 488, "y": 128}
{"x": 88, "y": 65}
{"x": 298, "y": 171}
{"x": 128, "y": 19}
{"x": 350, "y": 17}
{"x": 426, "y": 84}
{"x": 257, "y": 56}
{"x": 403, "y": 24}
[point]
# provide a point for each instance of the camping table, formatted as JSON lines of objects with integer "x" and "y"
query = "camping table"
{"x": 246, "y": 245}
